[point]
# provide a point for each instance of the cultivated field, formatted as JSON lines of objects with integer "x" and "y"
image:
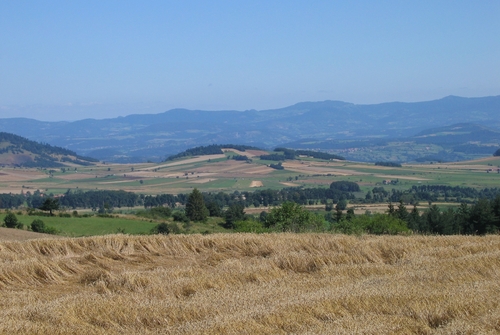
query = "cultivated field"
{"x": 214, "y": 173}
{"x": 251, "y": 284}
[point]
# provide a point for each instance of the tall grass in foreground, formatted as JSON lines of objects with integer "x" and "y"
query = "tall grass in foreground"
{"x": 253, "y": 284}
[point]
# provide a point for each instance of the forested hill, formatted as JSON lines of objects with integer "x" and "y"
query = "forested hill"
{"x": 21, "y": 152}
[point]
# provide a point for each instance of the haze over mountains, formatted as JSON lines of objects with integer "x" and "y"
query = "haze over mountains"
{"x": 328, "y": 125}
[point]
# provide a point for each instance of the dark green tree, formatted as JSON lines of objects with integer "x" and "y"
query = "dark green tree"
{"x": 497, "y": 153}
{"x": 402, "y": 212}
{"x": 462, "y": 218}
{"x": 214, "y": 209}
{"x": 195, "y": 207}
{"x": 434, "y": 220}
{"x": 482, "y": 218}
{"x": 414, "y": 219}
{"x": 50, "y": 204}
{"x": 391, "y": 210}
{"x": 10, "y": 220}
{"x": 495, "y": 206}
{"x": 234, "y": 213}
{"x": 448, "y": 222}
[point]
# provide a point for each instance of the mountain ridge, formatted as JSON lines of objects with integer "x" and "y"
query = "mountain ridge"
{"x": 140, "y": 137}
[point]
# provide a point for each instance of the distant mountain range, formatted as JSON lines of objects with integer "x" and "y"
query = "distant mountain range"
{"x": 311, "y": 125}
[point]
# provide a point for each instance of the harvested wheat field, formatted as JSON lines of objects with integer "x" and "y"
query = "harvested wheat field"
{"x": 251, "y": 284}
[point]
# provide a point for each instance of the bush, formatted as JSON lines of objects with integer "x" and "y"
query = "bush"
{"x": 161, "y": 228}
{"x": 174, "y": 228}
{"x": 38, "y": 226}
{"x": 249, "y": 226}
{"x": 155, "y": 213}
{"x": 497, "y": 153}
{"x": 377, "y": 224}
{"x": 51, "y": 231}
{"x": 180, "y": 217}
{"x": 10, "y": 220}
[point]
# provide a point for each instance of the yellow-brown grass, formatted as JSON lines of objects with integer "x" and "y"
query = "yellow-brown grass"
{"x": 251, "y": 284}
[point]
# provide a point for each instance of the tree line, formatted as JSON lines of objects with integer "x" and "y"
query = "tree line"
{"x": 339, "y": 191}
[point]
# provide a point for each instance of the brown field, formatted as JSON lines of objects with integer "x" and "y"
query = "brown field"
{"x": 186, "y": 161}
{"x": 256, "y": 183}
{"x": 289, "y": 184}
{"x": 202, "y": 180}
{"x": 251, "y": 284}
{"x": 318, "y": 168}
{"x": 9, "y": 175}
{"x": 7, "y": 234}
{"x": 248, "y": 153}
{"x": 399, "y": 177}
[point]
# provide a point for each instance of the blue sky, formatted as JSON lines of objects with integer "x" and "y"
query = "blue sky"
{"x": 68, "y": 60}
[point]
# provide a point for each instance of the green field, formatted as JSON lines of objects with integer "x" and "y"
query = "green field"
{"x": 95, "y": 225}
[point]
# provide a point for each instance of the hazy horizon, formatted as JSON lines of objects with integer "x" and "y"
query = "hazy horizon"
{"x": 93, "y": 111}
{"x": 71, "y": 61}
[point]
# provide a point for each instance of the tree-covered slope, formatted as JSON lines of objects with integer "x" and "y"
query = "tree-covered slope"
{"x": 19, "y": 151}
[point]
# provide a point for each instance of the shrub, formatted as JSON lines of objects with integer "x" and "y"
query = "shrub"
{"x": 155, "y": 213}
{"x": 377, "y": 224}
{"x": 180, "y": 217}
{"x": 249, "y": 226}
{"x": 51, "y": 230}
{"x": 161, "y": 228}
{"x": 38, "y": 226}
{"x": 10, "y": 220}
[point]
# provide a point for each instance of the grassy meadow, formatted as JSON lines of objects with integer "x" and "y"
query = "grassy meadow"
{"x": 116, "y": 223}
{"x": 251, "y": 284}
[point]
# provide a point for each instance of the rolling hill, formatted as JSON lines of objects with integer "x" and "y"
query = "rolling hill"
{"x": 20, "y": 152}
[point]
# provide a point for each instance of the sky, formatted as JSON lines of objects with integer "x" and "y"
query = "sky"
{"x": 70, "y": 60}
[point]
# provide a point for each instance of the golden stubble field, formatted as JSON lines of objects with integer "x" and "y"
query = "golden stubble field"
{"x": 251, "y": 284}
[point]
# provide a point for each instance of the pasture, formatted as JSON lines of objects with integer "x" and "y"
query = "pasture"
{"x": 251, "y": 284}
{"x": 117, "y": 223}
